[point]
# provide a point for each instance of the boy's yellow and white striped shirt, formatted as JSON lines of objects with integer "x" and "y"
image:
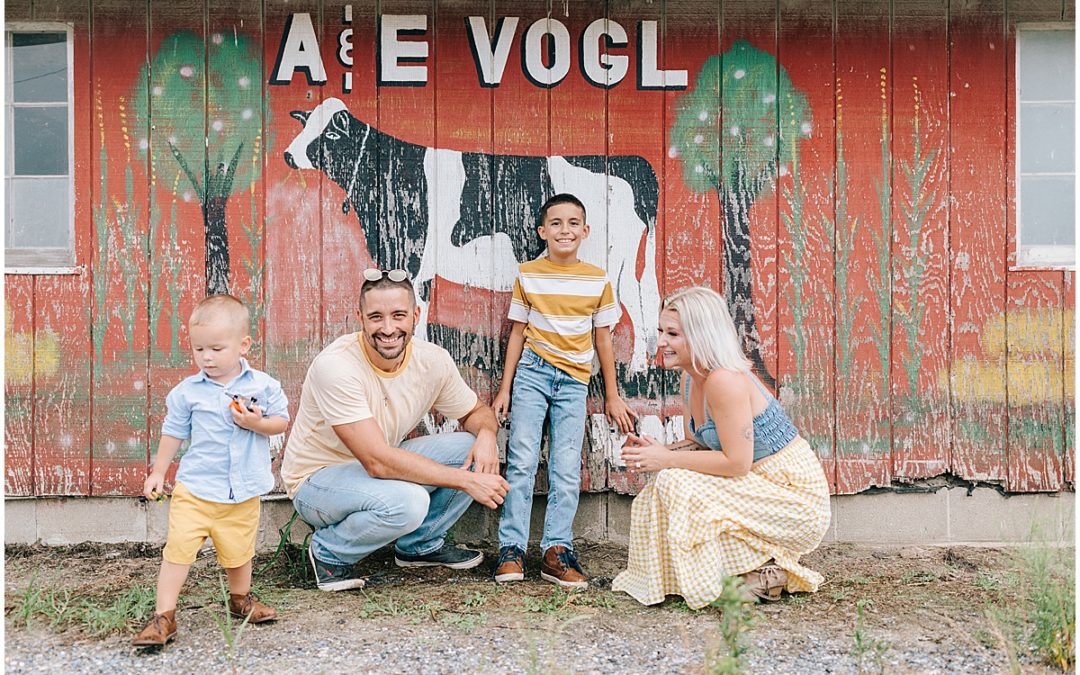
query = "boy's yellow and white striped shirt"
{"x": 561, "y": 305}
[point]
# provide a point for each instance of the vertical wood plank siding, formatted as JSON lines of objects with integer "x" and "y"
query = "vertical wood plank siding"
{"x": 843, "y": 171}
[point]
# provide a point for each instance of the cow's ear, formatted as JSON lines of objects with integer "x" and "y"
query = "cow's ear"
{"x": 300, "y": 116}
{"x": 340, "y": 122}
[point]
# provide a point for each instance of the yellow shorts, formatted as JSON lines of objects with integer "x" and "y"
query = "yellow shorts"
{"x": 191, "y": 520}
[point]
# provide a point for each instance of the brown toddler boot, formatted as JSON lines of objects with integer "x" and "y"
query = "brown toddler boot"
{"x": 240, "y": 606}
{"x": 159, "y": 629}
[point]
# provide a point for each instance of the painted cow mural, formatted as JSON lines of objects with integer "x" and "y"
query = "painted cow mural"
{"x": 453, "y": 232}
{"x": 848, "y": 178}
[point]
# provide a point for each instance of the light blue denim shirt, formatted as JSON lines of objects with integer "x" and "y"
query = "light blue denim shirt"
{"x": 224, "y": 463}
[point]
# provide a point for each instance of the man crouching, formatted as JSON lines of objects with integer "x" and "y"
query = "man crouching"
{"x": 348, "y": 471}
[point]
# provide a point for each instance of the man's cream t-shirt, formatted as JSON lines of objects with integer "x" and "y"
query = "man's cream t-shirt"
{"x": 342, "y": 386}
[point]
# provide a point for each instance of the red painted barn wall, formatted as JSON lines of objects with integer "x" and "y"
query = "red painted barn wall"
{"x": 881, "y": 289}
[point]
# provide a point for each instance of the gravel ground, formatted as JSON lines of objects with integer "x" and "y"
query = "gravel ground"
{"x": 923, "y": 612}
{"x": 584, "y": 647}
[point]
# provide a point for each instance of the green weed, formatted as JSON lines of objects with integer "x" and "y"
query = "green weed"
{"x": 227, "y": 625}
{"x": 387, "y": 606}
{"x": 132, "y": 607}
{"x": 463, "y": 620}
{"x": 1050, "y": 597}
{"x": 556, "y": 602}
{"x": 477, "y": 599}
{"x": 61, "y": 608}
{"x": 736, "y": 620}
{"x": 865, "y": 647}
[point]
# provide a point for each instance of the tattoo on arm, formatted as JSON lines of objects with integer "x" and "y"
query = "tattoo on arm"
{"x": 748, "y": 432}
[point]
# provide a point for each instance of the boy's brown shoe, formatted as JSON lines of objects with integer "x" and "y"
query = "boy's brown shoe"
{"x": 766, "y": 582}
{"x": 160, "y": 629}
{"x": 511, "y": 564}
{"x": 241, "y": 606}
{"x": 560, "y": 566}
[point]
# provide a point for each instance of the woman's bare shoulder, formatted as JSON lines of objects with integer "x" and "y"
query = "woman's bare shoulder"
{"x": 722, "y": 384}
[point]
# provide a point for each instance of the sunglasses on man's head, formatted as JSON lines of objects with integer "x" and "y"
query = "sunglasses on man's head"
{"x": 396, "y": 276}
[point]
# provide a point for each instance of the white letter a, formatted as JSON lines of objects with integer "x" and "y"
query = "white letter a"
{"x": 299, "y": 51}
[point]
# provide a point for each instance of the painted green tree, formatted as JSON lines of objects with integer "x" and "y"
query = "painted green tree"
{"x": 734, "y": 130}
{"x": 207, "y": 122}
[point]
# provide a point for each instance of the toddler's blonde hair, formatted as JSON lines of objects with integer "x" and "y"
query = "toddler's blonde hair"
{"x": 222, "y": 308}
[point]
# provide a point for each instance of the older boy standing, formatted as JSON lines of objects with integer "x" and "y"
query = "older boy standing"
{"x": 561, "y": 307}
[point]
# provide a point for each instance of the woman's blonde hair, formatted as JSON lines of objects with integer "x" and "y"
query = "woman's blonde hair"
{"x": 709, "y": 330}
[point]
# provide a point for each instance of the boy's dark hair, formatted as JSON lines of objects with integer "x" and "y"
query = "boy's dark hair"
{"x": 561, "y": 198}
{"x": 386, "y": 282}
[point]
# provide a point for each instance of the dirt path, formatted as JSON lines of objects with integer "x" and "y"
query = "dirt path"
{"x": 924, "y": 610}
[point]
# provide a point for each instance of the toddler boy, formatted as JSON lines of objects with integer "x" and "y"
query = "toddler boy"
{"x": 228, "y": 410}
{"x": 561, "y": 307}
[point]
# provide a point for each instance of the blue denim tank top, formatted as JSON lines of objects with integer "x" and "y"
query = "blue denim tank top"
{"x": 772, "y": 428}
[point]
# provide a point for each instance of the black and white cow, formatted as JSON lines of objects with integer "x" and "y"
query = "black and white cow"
{"x": 471, "y": 217}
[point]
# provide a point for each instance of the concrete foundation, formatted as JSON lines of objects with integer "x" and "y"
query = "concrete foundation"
{"x": 947, "y": 516}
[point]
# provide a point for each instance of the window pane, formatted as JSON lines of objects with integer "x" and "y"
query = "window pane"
{"x": 39, "y": 65}
{"x": 1047, "y": 210}
{"x": 38, "y": 213}
{"x": 1046, "y": 138}
{"x": 41, "y": 142}
{"x": 1046, "y": 65}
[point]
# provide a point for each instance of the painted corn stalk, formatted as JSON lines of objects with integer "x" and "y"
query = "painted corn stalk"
{"x": 209, "y": 152}
{"x": 736, "y": 148}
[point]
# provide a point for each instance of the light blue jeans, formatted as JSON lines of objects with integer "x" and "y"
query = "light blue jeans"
{"x": 354, "y": 514}
{"x": 543, "y": 391}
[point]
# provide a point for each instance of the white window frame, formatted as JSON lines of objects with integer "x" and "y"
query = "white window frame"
{"x": 41, "y": 260}
{"x": 1037, "y": 257}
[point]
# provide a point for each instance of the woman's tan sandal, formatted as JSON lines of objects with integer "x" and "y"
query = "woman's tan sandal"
{"x": 766, "y": 582}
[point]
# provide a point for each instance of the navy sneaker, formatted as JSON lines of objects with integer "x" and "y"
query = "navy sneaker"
{"x": 330, "y": 577}
{"x": 511, "y": 564}
{"x": 454, "y": 557}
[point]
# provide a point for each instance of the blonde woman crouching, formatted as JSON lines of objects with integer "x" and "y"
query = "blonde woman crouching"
{"x": 753, "y": 506}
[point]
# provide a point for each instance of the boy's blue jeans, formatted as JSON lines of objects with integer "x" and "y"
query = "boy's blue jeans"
{"x": 355, "y": 514}
{"x": 542, "y": 390}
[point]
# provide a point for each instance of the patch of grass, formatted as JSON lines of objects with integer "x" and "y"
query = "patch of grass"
{"x": 600, "y": 599}
{"x": 679, "y": 605}
{"x": 132, "y": 607}
{"x": 867, "y": 649}
{"x": 386, "y": 605}
{"x": 736, "y": 620}
{"x": 476, "y": 599}
{"x": 1050, "y": 595}
{"x": 61, "y": 608}
{"x": 557, "y": 601}
{"x": 464, "y": 620}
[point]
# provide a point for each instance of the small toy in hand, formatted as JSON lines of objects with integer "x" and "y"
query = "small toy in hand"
{"x": 158, "y": 496}
{"x": 240, "y": 402}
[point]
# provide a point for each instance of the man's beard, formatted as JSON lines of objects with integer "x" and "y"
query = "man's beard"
{"x": 389, "y": 353}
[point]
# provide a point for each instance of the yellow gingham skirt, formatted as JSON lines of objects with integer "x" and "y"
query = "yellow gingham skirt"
{"x": 688, "y": 529}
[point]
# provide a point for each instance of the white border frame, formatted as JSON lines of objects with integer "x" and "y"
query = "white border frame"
{"x": 22, "y": 261}
{"x": 1036, "y": 257}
